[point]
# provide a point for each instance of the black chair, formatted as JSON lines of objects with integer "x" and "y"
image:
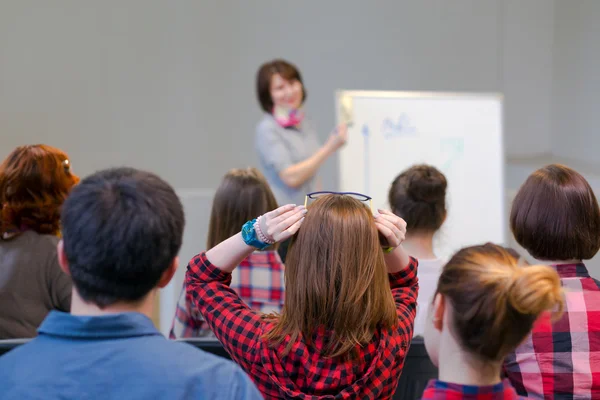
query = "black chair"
{"x": 418, "y": 369}
{"x": 9, "y": 344}
{"x": 210, "y": 345}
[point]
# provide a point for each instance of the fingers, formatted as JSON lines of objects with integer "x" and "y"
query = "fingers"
{"x": 291, "y": 231}
{"x": 388, "y": 234}
{"x": 277, "y": 226}
{"x": 291, "y": 218}
{"x": 284, "y": 215}
{"x": 393, "y": 218}
{"x": 392, "y": 227}
{"x": 279, "y": 211}
{"x": 388, "y": 226}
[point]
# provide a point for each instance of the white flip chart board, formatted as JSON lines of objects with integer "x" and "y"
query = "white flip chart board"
{"x": 459, "y": 133}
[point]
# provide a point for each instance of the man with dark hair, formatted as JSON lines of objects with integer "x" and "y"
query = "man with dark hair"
{"x": 121, "y": 232}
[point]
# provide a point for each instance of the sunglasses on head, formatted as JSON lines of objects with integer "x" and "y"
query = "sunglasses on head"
{"x": 354, "y": 195}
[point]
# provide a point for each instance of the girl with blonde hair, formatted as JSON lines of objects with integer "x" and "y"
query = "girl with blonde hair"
{"x": 485, "y": 305}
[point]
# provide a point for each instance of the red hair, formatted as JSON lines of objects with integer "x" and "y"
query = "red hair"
{"x": 34, "y": 182}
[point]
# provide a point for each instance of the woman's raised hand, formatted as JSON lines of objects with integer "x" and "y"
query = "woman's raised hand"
{"x": 391, "y": 227}
{"x": 338, "y": 137}
{"x": 283, "y": 222}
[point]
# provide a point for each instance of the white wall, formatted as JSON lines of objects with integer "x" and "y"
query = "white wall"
{"x": 576, "y": 101}
{"x": 169, "y": 86}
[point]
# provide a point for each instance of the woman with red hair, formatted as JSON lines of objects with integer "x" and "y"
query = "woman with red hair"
{"x": 34, "y": 182}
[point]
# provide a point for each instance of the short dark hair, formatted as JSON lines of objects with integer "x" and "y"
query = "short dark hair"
{"x": 555, "y": 215}
{"x": 418, "y": 195}
{"x": 266, "y": 71}
{"x": 122, "y": 228}
{"x": 243, "y": 195}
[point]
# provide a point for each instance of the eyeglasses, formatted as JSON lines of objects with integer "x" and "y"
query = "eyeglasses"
{"x": 354, "y": 195}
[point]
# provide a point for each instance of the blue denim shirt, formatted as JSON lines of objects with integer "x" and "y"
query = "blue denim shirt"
{"x": 120, "y": 356}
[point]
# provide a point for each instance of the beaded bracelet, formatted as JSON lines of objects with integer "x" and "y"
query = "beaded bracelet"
{"x": 261, "y": 236}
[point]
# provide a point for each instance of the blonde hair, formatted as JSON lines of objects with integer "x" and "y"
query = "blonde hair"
{"x": 496, "y": 299}
{"x": 336, "y": 279}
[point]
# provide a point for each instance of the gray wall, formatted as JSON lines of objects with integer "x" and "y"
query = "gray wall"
{"x": 169, "y": 86}
{"x": 576, "y": 101}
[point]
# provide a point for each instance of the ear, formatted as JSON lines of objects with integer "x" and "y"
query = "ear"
{"x": 62, "y": 258}
{"x": 169, "y": 273}
{"x": 439, "y": 308}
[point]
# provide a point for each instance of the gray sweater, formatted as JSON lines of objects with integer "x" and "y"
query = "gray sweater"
{"x": 31, "y": 284}
{"x": 279, "y": 148}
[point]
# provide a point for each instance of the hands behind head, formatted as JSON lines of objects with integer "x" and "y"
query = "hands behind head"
{"x": 283, "y": 222}
{"x": 392, "y": 229}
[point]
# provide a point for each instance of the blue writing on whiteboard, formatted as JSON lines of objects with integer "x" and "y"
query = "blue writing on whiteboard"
{"x": 452, "y": 150}
{"x": 367, "y": 172}
{"x": 398, "y": 128}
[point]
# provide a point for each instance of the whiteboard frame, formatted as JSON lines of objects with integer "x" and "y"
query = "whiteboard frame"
{"x": 339, "y": 93}
{"x": 413, "y": 94}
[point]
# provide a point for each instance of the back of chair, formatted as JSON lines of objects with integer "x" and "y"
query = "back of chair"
{"x": 9, "y": 344}
{"x": 210, "y": 345}
{"x": 418, "y": 370}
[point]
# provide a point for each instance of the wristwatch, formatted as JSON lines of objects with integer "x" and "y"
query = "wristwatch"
{"x": 250, "y": 237}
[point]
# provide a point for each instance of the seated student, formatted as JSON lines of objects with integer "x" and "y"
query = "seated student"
{"x": 347, "y": 320}
{"x": 34, "y": 182}
{"x": 122, "y": 230}
{"x": 244, "y": 194}
{"x": 418, "y": 195}
{"x": 485, "y": 305}
{"x": 555, "y": 217}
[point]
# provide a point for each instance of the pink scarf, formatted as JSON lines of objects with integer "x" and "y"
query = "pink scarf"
{"x": 288, "y": 117}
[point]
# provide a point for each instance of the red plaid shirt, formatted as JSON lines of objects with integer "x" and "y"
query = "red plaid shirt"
{"x": 438, "y": 390}
{"x": 562, "y": 360}
{"x": 303, "y": 373}
{"x": 259, "y": 282}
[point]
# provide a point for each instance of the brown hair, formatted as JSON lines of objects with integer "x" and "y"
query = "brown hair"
{"x": 418, "y": 195}
{"x": 243, "y": 195}
{"x": 336, "y": 279}
{"x": 34, "y": 182}
{"x": 266, "y": 71}
{"x": 495, "y": 299}
{"x": 555, "y": 215}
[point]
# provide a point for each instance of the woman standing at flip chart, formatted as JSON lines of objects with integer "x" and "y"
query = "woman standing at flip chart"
{"x": 287, "y": 144}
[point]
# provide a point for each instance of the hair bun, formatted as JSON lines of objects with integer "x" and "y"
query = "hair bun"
{"x": 426, "y": 183}
{"x": 535, "y": 289}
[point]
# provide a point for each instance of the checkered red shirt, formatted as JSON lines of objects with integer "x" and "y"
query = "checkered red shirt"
{"x": 562, "y": 360}
{"x": 438, "y": 390}
{"x": 303, "y": 373}
{"x": 259, "y": 282}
